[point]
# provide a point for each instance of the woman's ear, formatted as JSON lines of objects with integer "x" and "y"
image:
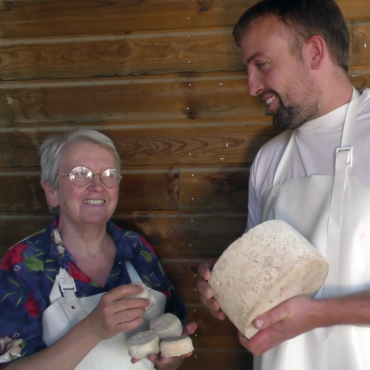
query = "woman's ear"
{"x": 51, "y": 195}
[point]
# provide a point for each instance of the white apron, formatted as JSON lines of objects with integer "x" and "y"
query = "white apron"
{"x": 65, "y": 312}
{"x": 333, "y": 213}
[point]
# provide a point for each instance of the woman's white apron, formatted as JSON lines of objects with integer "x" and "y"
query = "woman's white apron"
{"x": 333, "y": 213}
{"x": 66, "y": 311}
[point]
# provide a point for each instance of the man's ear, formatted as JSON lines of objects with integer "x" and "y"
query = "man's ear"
{"x": 315, "y": 51}
{"x": 51, "y": 195}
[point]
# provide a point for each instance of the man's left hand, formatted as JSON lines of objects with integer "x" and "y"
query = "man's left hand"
{"x": 293, "y": 317}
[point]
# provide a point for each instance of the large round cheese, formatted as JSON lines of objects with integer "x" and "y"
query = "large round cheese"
{"x": 143, "y": 344}
{"x": 269, "y": 264}
{"x": 176, "y": 346}
{"x": 166, "y": 326}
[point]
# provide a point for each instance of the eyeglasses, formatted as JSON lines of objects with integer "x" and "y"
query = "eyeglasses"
{"x": 82, "y": 176}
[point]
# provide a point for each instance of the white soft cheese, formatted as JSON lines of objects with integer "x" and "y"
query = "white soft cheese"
{"x": 176, "y": 346}
{"x": 143, "y": 344}
{"x": 167, "y": 325}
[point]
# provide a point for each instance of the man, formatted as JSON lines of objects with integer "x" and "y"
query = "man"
{"x": 296, "y": 53}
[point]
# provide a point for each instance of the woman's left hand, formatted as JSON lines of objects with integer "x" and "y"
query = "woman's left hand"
{"x": 171, "y": 363}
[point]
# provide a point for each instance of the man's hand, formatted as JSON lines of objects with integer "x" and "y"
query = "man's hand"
{"x": 171, "y": 363}
{"x": 289, "y": 319}
{"x": 206, "y": 293}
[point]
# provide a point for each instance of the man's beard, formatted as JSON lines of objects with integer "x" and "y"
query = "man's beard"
{"x": 292, "y": 117}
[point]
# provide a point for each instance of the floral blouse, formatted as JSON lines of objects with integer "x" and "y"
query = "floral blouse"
{"x": 27, "y": 274}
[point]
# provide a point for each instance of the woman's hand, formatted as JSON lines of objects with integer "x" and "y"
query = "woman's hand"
{"x": 114, "y": 314}
{"x": 206, "y": 292}
{"x": 171, "y": 363}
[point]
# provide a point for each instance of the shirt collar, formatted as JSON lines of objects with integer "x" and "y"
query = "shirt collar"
{"x": 124, "y": 249}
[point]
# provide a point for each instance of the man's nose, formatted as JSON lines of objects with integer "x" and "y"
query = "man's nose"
{"x": 255, "y": 86}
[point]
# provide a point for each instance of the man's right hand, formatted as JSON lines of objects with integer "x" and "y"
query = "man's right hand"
{"x": 205, "y": 290}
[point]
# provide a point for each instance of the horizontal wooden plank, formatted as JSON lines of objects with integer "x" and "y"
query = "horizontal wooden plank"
{"x": 213, "y": 334}
{"x": 360, "y": 78}
{"x": 62, "y": 18}
{"x": 172, "y": 234}
{"x": 124, "y": 55}
{"x": 184, "y": 275}
{"x": 360, "y": 54}
{"x": 7, "y": 146}
{"x": 141, "y": 189}
{"x": 214, "y": 187}
{"x": 171, "y": 97}
{"x": 158, "y": 53}
{"x": 218, "y": 360}
{"x": 178, "y": 144}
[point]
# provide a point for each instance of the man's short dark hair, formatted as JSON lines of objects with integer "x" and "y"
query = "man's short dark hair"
{"x": 305, "y": 18}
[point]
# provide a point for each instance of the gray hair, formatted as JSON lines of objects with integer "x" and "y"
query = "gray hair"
{"x": 51, "y": 152}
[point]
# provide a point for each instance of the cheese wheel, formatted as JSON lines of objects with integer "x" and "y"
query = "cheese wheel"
{"x": 269, "y": 264}
{"x": 167, "y": 325}
{"x": 143, "y": 344}
{"x": 176, "y": 346}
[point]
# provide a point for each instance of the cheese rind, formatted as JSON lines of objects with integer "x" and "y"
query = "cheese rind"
{"x": 143, "y": 344}
{"x": 266, "y": 266}
{"x": 176, "y": 346}
{"x": 166, "y": 326}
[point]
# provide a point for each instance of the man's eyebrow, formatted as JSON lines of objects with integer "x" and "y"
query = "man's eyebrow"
{"x": 258, "y": 53}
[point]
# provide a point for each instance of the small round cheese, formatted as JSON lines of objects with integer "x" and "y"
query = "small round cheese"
{"x": 176, "y": 346}
{"x": 143, "y": 344}
{"x": 167, "y": 325}
{"x": 146, "y": 293}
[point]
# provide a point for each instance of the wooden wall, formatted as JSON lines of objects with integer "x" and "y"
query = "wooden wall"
{"x": 163, "y": 79}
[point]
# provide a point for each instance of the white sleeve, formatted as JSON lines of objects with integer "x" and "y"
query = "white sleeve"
{"x": 254, "y": 206}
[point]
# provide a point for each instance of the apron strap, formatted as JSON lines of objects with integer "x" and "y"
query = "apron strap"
{"x": 343, "y": 160}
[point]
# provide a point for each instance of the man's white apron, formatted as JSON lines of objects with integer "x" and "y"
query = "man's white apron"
{"x": 66, "y": 311}
{"x": 333, "y": 213}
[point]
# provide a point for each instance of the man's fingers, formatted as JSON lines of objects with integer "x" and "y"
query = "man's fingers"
{"x": 204, "y": 289}
{"x": 190, "y": 328}
{"x": 279, "y": 313}
{"x": 204, "y": 270}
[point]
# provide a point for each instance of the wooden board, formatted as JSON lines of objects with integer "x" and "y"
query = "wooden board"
{"x": 144, "y": 98}
{"x": 166, "y": 145}
{"x": 360, "y": 54}
{"x": 214, "y": 187}
{"x": 172, "y": 234}
{"x": 141, "y": 189}
{"x": 205, "y": 51}
{"x": 212, "y": 333}
{"x": 184, "y": 275}
{"x": 219, "y": 360}
{"x": 120, "y": 55}
{"x": 62, "y": 18}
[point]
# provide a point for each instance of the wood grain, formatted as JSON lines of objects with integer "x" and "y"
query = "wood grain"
{"x": 61, "y": 18}
{"x": 142, "y": 188}
{"x": 145, "y": 98}
{"x": 219, "y": 360}
{"x": 214, "y": 187}
{"x": 172, "y": 234}
{"x": 212, "y": 333}
{"x": 120, "y": 55}
{"x": 188, "y": 144}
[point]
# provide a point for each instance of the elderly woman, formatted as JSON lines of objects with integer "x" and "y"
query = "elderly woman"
{"x": 63, "y": 291}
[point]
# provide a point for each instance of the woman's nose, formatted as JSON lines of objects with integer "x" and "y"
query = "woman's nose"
{"x": 96, "y": 183}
